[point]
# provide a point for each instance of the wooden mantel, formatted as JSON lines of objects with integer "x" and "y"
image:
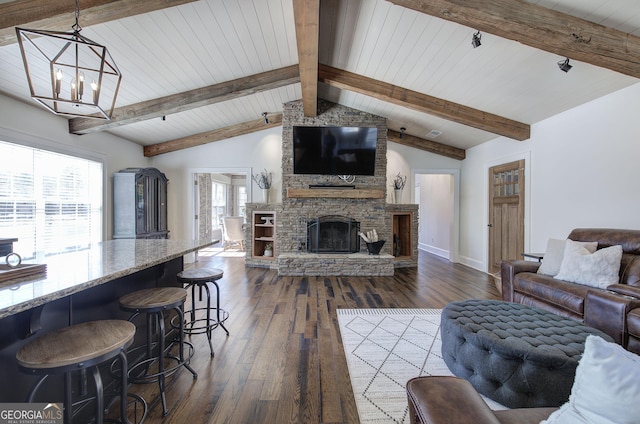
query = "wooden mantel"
{"x": 335, "y": 193}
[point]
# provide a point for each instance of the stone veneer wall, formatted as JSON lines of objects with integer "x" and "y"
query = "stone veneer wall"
{"x": 296, "y": 211}
{"x": 293, "y": 213}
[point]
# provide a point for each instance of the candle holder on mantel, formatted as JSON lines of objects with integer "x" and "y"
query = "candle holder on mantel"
{"x": 375, "y": 247}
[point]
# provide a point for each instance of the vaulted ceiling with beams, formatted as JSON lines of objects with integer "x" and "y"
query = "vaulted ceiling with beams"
{"x": 195, "y": 72}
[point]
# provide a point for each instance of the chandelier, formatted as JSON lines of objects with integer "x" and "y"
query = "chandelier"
{"x": 68, "y": 73}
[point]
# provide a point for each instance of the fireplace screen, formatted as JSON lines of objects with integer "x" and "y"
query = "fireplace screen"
{"x": 333, "y": 234}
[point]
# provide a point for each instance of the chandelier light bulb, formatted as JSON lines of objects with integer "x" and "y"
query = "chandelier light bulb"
{"x": 74, "y": 90}
{"x": 80, "y": 85}
{"x": 94, "y": 88}
{"x": 58, "y": 81}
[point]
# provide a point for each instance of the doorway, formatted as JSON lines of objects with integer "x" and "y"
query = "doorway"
{"x": 506, "y": 212}
{"x": 218, "y": 192}
{"x": 437, "y": 193}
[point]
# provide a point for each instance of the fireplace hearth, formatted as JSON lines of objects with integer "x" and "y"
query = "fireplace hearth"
{"x": 333, "y": 234}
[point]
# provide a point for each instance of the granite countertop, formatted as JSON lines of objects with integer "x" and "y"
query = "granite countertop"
{"x": 73, "y": 272}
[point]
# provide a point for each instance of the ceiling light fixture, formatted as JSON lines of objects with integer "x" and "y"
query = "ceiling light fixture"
{"x": 264, "y": 115}
{"x": 564, "y": 65}
{"x": 402, "y": 130}
{"x": 68, "y": 73}
{"x": 475, "y": 40}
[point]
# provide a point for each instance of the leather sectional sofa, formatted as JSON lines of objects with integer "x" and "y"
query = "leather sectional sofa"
{"x": 614, "y": 310}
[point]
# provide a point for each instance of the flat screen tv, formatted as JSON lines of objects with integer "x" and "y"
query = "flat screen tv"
{"x": 334, "y": 150}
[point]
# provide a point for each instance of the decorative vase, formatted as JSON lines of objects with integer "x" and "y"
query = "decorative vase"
{"x": 265, "y": 195}
{"x": 375, "y": 247}
{"x": 268, "y": 253}
{"x": 398, "y": 195}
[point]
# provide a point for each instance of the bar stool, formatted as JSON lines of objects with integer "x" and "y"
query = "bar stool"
{"x": 153, "y": 302}
{"x": 78, "y": 348}
{"x": 199, "y": 277}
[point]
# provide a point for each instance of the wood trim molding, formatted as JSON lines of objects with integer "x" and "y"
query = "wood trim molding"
{"x": 426, "y": 145}
{"x": 423, "y": 103}
{"x": 60, "y": 15}
{"x": 189, "y": 100}
{"x": 542, "y": 28}
{"x": 275, "y": 120}
{"x": 307, "y": 18}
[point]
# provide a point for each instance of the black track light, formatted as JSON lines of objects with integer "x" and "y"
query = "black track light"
{"x": 475, "y": 41}
{"x": 564, "y": 65}
{"x": 264, "y": 115}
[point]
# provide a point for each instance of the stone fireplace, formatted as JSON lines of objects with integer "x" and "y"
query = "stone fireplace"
{"x": 306, "y": 242}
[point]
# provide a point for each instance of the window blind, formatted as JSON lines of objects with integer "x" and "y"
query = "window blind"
{"x": 50, "y": 201}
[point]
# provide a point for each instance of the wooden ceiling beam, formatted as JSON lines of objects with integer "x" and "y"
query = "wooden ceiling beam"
{"x": 187, "y": 100}
{"x": 211, "y": 136}
{"x": 60, "y": 15}
{"x": 423, "y": 103}
{"x": 426, "y": 145}
{"x": 307, "y": 19}
{"x": 542, "y": 28}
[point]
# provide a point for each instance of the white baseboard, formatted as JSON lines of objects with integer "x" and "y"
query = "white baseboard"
{"x": 472, "y": 263}
{"x": 434, "y": 250}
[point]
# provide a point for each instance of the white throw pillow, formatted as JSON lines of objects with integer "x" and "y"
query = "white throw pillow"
{"x": 597, "y": 269}
{"x": 552, "y": 258}
{"x": 606, "y": 389}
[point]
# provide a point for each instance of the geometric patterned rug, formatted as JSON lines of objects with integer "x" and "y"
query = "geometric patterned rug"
{"x": 384, "y": 349}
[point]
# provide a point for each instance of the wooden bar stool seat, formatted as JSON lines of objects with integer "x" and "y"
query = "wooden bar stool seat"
{"x": 151, "y": 367}
{"x": 199, "y": 324}
{"x": 79, "y": 347}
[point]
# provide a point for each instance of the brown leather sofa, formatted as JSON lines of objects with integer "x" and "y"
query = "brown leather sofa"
{"x": 434, "y": 400}
{"x": 622, "y": 308}
{"x": 616, "y": 310}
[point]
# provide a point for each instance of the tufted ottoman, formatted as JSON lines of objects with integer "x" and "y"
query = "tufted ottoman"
{"x": 514, "y": 354}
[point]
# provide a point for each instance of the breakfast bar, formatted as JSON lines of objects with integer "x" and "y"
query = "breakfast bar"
{"x": 81, "y": 286}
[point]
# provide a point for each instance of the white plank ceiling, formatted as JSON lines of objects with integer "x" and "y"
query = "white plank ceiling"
{"x": 212, "y": 41}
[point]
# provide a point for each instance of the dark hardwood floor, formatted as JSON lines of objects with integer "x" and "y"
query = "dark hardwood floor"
{"x": 283, "y": 361}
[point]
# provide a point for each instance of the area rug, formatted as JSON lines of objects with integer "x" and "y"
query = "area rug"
{"x": 384, "y": 349}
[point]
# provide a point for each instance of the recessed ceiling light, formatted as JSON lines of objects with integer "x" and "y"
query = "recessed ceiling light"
{"x": 434, "y": 133}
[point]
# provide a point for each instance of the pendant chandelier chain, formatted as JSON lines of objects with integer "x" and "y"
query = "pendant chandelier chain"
{"x": 76, "y": 27}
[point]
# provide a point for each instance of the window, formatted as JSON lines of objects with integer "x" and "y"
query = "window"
{"x": 219, "y": 203}
{"x": 50, "y": 202}
{"x": 242, "y": 200}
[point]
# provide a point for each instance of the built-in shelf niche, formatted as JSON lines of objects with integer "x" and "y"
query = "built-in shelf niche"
{"x": 263, "y": 231}
{"x": 401, "y": 225}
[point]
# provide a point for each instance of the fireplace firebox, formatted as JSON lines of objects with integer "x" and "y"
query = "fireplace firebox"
{"x": 333, "y": 234}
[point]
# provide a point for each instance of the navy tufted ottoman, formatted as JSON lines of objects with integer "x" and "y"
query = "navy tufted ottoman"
{"x": 514, "y": 354}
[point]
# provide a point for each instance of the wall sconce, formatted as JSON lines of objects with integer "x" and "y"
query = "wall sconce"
{"x": 475, "y": 40}
{"x": 264, "y": 115}
{"x": 564, "y": 65}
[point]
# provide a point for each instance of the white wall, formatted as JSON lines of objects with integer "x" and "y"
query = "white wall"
{"x": 582, "y": 172}
{"x": 35, "y": 126}
{"x": 436, "y": 213}
{"x": 406, "y": 159}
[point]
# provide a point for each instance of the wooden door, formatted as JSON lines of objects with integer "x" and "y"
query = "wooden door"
{"x": 506, "y": 213}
